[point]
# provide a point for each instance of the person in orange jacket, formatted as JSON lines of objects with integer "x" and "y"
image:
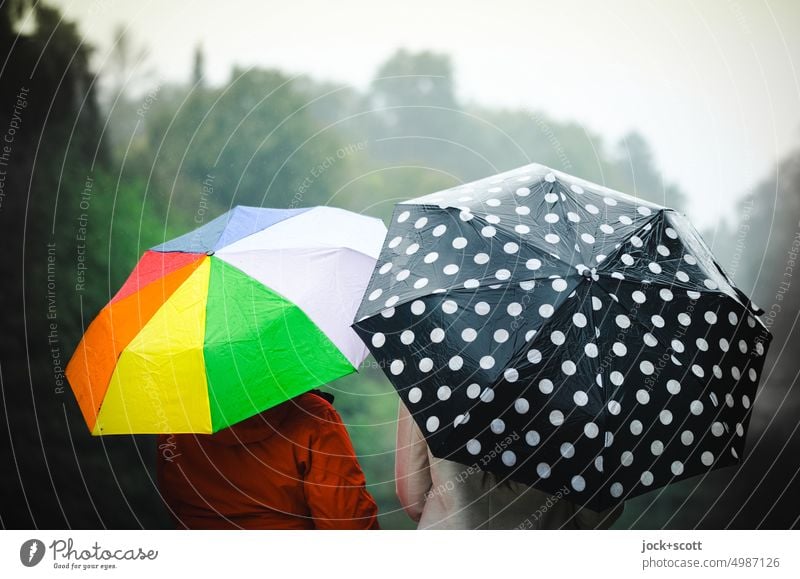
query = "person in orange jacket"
{"x": 290, "y": 467}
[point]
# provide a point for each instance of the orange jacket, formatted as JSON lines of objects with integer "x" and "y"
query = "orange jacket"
{"x": 290, "y": 467}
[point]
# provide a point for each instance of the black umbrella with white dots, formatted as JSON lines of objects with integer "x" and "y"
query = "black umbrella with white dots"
{"x": 557, "y": 332}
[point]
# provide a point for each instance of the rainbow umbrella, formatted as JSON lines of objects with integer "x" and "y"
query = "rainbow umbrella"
{"x": 217, "y": 325}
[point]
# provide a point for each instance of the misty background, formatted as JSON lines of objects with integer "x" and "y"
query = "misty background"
{"x": 136, "y": 122}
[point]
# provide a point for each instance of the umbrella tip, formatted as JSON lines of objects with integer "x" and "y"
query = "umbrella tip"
{"x": 210, "y": 252}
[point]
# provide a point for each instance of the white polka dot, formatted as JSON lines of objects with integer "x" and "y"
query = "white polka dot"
{"x": 616, "y": 490}
{"x": 455, "y": 363}
{"x": 471, "y": 284}
{"x": 481, "y": 258}
{"x": 646, "y": 367}
{"x": 707, "y": 458}
{"x": 698, "y": 371}
{"x": 545, "y": 386}
{"x": 556, "y": 418}
{"x": 511, "y": 375}
{"x": 559, "y": 284}
{"x": 469, "y": 334}
{"x": 591, "y": 208}
{"x": 488, "y": 231}
{"x": 407, "y": 337}
{"x": 646, "y": 478}
{"x": 425, "y": 365}
{"x": 412, "y": 249}
{"x": 543, "y": 470}
{"x": 375, "y": 295}
{"x": 580, "y": 398}
{"x": 619, "y": 349}
{"x": 557, "y": 337}
{"x": 568, "y": 367}
{"x": 396, "y": 367}
{"x": 684, "y": 319}
{"x": 378, "y": 339}
{"x": 509, "y": 458}
{"x": 414, "y": 395}
{"x": 514, "y": 309}
{"x": 636, "y": 427}
{"x": 696, "y": 407}
{"x": 437, "y": 335}
{"x": 587, "y": 238}
{"x": 574, "y": 217}
{"x": 502, "y": 274}
{"x": 459, "y": 243}
{"x": 439, "y": 230}
{"x": 665, "y": 294}
{"x": 623, "y": 321}
{"x": 501, "y": 336}
{"x": 717, "y": 429}
{"x": 687, "y": 437}
{"x": 421, "y": 283}
{"x": 523, "y": 191}
{"x": 662, "y": 250}
{"x": 642, "y": 210}
{"x": 533, "y": 264}
{"x": 534, "y": 356}
{"x": 649, "y": 340}
{"x": 522, "y": 229}
{"x": 450, "y": 269}
{"x": 642, "y": 396}
{"x": 473, "y": 447}
{"x": 665, "y": 416}
{"x": 627, "y": 260}
{"x": 677, "y": 468}
{"x": 626, "y": 458}
{"x": 473, "y": 391}
{"x": 617, "y": 378}
{"x": 551, "y": 218}
{"x": 521, "y": 405}
{"x": 591, "y": 350}
{"x": 552, "y": 238}
{"x": 657, "y": 321}
{"x": 532, "y": 438}
{"x": 403, "y": 216}
{"x": 546, "y": 310}
{"x": 578, "y": 483}
{"x": 497, "y": 426}
{"x": 511, "y": 247}
{"x": 614, "y": 407}
{"x": 591, "y": 430}
{"x": 597, "y": 305}
{"x": 418, "y": 308}
{"x": 638, "y": 297}
{"x": 487, "y": 362}
{"x": 673, "y": 387}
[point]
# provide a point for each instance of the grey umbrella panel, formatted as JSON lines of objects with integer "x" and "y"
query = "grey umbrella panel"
{"x": 560, "y": 333}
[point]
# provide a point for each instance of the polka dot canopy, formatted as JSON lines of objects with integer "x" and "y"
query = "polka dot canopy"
{"x": 561, "y": 333}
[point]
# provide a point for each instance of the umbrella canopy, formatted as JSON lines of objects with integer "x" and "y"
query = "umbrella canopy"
{"x": 245, "y": 312}
{"x": 561, "y": 333}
